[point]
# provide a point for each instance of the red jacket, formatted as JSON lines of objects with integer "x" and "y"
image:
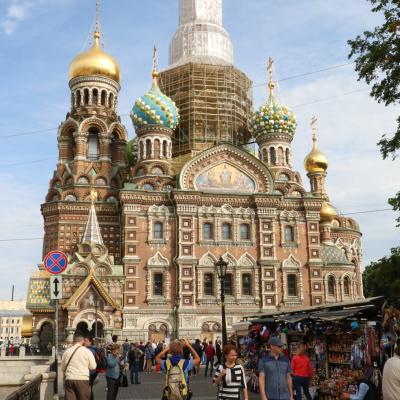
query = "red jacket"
{"x": 209, "y": 352}
{"x": 301, "y": 366}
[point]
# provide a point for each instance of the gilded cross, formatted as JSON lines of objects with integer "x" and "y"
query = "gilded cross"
{"x": 314, "y": 128}
{"x": 271, "y": 83}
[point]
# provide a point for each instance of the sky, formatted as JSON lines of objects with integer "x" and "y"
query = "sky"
{"x": 39, "y": 38}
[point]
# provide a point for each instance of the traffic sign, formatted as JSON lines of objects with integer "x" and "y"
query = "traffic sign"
{"x": 55, "y": 262}
{"x": 56, "y": 287}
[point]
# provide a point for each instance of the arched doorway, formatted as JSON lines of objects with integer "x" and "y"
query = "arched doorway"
{"x": 99, "y": 332}
{"x": 46, "y": 336}
{"x": 82, "y": 328}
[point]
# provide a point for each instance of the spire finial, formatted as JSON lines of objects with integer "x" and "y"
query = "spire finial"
{"x": 154, "y": 72}
{"x": 96, "y": 34}
{"x": 271, "y": 83}
{"x": 97, "y": 16}
{"x": 93, "y": 195}
{"x": 314, "y": 130}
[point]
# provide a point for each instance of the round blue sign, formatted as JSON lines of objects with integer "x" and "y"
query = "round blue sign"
{"x": 55, "y": 262}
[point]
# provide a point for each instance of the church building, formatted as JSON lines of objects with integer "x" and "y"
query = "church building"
{"x": 144, "y": 220}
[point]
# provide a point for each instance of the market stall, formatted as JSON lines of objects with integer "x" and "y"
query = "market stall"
{"x": 342, "y": 340}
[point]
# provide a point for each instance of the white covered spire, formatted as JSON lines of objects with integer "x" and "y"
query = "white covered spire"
{"x": 92, "y": 234}
{"x": 201, "y": 38}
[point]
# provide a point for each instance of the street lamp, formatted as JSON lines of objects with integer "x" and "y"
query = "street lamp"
{"x": 221, "y": 266}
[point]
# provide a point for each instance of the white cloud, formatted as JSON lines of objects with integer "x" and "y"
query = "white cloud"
{"x": 17, "y": 12}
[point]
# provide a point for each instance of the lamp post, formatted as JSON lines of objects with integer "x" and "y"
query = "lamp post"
{"x": 221, "y": 266}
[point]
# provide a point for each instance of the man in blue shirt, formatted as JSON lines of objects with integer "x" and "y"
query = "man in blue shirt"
{"x": 275, "y": 378}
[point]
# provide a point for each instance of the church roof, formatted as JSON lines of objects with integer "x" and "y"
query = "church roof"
{"x": 92, "y": 232}
{"x": 91, "y": 279}
{"x": 332, "y": 255}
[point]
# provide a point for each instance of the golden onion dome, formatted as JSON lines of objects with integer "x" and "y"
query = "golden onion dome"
{"x": 327, "y": 212}
{"x": 316, "y": 160}
{"x": 95, "y": 62}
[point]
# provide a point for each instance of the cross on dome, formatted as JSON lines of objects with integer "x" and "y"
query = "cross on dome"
{"x": 271, "y": 83}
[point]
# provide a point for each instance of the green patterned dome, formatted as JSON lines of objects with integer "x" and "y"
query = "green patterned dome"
{"x": 273, "y": 118}
{"x": 155, "y": 108}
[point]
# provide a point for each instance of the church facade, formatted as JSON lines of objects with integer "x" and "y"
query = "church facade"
{"x": 143, "y": 221}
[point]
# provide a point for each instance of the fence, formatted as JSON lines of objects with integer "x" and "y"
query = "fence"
{"x": 30, "y": 391}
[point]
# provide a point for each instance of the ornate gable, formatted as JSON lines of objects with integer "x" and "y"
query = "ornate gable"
{"x": 226, "y": 169}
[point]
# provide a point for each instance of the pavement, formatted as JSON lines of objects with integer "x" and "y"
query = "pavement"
{"x": 152, "y": 384}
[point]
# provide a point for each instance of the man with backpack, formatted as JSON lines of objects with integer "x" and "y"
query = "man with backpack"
{"x": 134, "y": 356}
{"x": 177, "y": 370}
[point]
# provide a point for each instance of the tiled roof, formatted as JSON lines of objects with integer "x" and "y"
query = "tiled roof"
{"x": 332, "y": 255}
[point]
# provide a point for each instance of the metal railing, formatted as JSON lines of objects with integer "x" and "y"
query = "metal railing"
{"x": 30, "y": 391}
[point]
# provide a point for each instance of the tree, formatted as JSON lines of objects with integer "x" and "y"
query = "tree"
{"x": 377, "y": 61}
{"x": 382, "y": 278}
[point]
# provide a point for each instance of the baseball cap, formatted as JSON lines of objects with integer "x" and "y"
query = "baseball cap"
{"x": 275, "y": 341}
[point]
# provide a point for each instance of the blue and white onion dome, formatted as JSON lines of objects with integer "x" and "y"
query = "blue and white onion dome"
{"x": 273, "y": 118}
{"x": 155, "y": 108}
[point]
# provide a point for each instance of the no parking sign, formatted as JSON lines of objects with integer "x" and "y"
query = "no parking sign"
{"x": 55, "y": 262}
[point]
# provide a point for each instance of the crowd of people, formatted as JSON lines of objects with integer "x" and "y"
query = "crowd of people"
{"x": 279, "y": 377}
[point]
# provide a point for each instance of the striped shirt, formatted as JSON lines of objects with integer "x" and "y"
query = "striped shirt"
{"x": 232, "y": 383}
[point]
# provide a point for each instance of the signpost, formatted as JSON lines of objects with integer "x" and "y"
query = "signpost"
{"x": 56, "y": 262}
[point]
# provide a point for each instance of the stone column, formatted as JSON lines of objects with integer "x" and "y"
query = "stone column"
{"x": 326, "y": 232}
{"x": 108, "y": 335}
{"x": 70, "y": 335}
{"x": 35, "y": 340}
{"x": 81, "y": 144}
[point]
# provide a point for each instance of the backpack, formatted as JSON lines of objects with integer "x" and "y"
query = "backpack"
{"x": 372, "y": 393}
{"x": 176, "y": 387}
{"x": 101, "y": 360}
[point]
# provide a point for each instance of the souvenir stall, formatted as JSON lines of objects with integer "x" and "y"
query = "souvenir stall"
{"x": 341, "y": 341}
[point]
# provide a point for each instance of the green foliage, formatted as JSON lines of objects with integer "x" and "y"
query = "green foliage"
{"x": 382, "y": 278}
{"x": 377, "y": 61}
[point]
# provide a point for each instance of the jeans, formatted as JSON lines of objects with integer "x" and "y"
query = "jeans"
{"x": 134, "y": 371}
{"x": 302, "y": 382}
{"x": 211, "y": 364}
{"x": 112, "y": 388}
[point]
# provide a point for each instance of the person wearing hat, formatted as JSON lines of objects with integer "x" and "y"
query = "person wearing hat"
{"x": 275, "y": 378}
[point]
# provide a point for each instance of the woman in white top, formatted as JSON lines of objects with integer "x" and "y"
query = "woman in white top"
{"x": 230, "y": 376}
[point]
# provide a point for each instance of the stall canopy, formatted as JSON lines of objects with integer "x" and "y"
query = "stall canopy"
{"x": 327, "y": 312}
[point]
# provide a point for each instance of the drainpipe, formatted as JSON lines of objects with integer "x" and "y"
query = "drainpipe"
{"x": 177, "y": 286}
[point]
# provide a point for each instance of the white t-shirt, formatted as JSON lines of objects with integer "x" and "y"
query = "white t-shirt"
{"x": 391, "y": 379}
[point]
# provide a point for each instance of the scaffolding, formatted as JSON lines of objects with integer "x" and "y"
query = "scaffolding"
{"x": 215, "y": 103}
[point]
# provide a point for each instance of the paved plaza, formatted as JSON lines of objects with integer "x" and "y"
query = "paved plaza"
{"x": 152, "y": 384}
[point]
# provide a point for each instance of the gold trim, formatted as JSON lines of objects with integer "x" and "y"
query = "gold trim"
{"x": 91, "y": 278}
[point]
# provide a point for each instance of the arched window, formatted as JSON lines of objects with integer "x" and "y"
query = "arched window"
{"x": 292, "y": 285}
{"x": 208, "y": 231}
{"x": 164, "y": 152}
{"x": 141, "y": 150}
{"x": 331, "y": 286}
{"x": 289, "y": 233}
{"x": 284, "y": 177}
{"x": 148, "y": 148}
{"x": 86, "y": 97}
{"x": 111, "y": 100}
{"x": 287, "y": 152}
{"x": 158, "y": 284}
{"x": 158, "y": 230}
{"x": 346, "y": 286}
{"x": 95, "y": 97}
{"x": 265, "y": 155}
{"x": 93, "y": 144}
{"x": 228, "y": 284}
{"x": 245, "y": 232}
{"x": 208, "y": 284}
{"x": 78, "y": 98}
{"x": 246, "y": 284}
{"x": 103, "y": 97}
{"x": 272, "y": 155}
{"x": 226, "y": 231}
